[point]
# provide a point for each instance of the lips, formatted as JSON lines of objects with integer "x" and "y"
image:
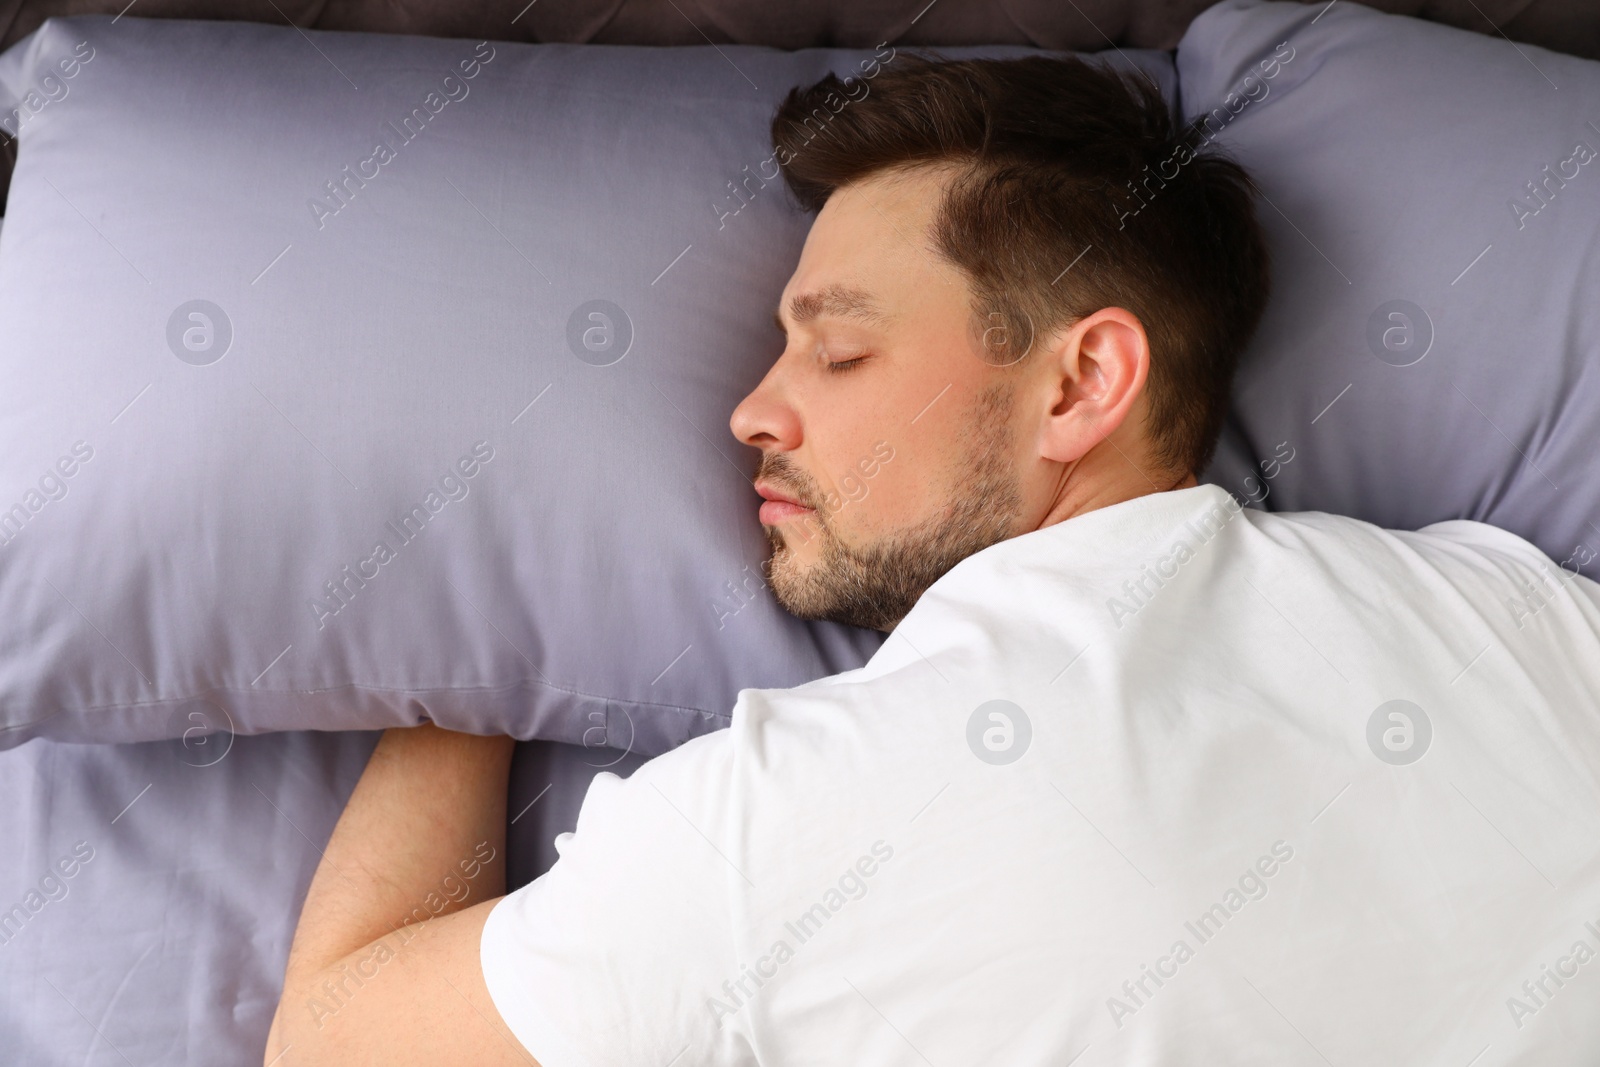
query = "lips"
{"x": 778, "y": 507}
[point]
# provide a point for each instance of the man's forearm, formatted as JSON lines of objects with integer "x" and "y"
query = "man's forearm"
{"x": 422, "y": 836}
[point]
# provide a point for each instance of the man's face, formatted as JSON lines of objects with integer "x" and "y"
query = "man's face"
{"x": 895, "y": 444}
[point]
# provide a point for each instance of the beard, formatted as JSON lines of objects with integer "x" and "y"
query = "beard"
{"x": 875, "y": 585}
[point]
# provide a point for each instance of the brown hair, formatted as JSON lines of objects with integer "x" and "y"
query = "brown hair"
{"x": 1075, "y": 190}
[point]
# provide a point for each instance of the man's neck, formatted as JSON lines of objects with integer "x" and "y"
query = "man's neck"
{"x": 1080, "y": 494}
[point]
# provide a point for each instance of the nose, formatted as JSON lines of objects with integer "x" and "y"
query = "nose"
{"x": 767, "y": 418}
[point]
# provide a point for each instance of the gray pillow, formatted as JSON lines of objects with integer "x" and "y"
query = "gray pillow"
{"x": 1433, "y": 205}
{"x": 354, "y": 379}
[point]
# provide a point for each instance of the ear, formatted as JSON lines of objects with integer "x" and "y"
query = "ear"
{"x": 1096, "y": 371}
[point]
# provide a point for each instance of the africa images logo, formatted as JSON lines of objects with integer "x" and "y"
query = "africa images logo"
{"x": 342, "y": 589}
{"x": 851, "y": 885}
{"x": 343, "y": 187}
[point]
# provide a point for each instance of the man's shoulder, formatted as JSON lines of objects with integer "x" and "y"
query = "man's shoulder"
{"x": 1458, "y": 539}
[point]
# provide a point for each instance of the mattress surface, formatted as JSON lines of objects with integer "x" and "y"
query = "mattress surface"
{"x": 189, "y": 863}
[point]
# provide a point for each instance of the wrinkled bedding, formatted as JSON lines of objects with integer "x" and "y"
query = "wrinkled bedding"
{"x": 188, "y": 862}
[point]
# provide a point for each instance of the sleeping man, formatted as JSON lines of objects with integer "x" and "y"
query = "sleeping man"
{"x": 1138, "y": 776}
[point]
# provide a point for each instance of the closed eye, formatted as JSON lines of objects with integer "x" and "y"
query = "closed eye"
{"x": 843, "y": 364}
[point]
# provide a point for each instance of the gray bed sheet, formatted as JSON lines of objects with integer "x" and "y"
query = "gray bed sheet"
{"x": 189, "y": 862}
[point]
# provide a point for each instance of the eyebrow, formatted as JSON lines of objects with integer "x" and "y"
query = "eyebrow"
{"x": 837, "y": 301}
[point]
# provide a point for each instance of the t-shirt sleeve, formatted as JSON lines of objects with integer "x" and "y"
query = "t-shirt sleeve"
{"x": 610, "y": 956}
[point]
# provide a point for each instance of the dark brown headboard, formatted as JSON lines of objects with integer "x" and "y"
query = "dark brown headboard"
{"x": 1565, "y": 25}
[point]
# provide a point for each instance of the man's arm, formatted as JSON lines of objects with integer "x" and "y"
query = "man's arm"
{"x": 385, "y": 967}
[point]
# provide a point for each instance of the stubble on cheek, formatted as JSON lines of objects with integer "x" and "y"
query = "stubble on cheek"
{"x": 874, "y": 583}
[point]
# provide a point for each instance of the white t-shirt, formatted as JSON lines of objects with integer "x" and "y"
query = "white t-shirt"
{"x": 1218, "y": 839}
